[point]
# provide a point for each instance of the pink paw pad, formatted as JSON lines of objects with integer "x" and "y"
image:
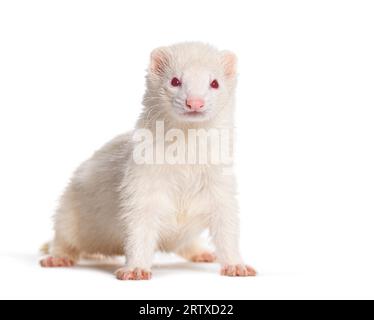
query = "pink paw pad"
{"x": 136, "y": 274}
{"x": 205, "y": 257}
{"x": 54, "y": 262}
{"x": 238, "y": 271}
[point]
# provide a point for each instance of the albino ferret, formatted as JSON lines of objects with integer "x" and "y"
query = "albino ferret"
{"x": 116, "y": 205}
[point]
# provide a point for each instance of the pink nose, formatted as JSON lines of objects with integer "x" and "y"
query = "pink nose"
{"x": 195, "y": 104}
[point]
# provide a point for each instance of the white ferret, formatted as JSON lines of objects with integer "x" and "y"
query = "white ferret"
{"x": 115, "y": 205}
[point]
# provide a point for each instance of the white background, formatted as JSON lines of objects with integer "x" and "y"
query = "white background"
{"x": 72, "y": 77}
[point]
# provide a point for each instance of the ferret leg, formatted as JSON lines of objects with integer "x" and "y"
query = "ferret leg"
{"x": 61, "y": 255}
{"x": 140, "y": 244}
{"x": 225, "y": 232}
{"x": 197, "y": 252}
{"x": 140, "y": 247}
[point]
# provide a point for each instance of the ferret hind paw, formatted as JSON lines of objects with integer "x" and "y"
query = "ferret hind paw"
{"x": 204, "y": 257}
{"x": 56, "y": 262}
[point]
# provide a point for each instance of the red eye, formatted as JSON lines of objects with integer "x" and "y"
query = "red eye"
{"x": 215, "y": 84}
{"x": 176, "y": 82}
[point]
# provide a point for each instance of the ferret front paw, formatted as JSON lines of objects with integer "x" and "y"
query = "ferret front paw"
{"x": 240, "y": 270}
{"x": 204, "y": 257}
{"x": 135, "y": 274}
{"x": 54, "y": 262}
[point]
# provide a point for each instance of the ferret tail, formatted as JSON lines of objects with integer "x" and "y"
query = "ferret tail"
{"x": 45, "y": 248}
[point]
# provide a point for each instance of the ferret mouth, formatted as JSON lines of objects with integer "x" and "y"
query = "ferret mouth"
{"x": 188, "y": 115}
{"x": 194, "y": 115}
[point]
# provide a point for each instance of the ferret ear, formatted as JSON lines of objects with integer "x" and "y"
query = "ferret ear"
{"x": 160, "y": 61}
{"x": 229, "y": 61}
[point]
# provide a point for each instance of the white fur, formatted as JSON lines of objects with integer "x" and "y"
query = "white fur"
{"x": 114, "y": 206}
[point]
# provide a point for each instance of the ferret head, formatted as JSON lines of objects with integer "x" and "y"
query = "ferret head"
{"x": 190, "y": 82}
